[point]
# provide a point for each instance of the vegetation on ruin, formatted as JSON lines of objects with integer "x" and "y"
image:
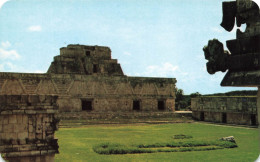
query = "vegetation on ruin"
{"x": 76, "y": 144}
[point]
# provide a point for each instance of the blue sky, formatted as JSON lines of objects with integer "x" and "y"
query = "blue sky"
{"x": 149, "y": 37}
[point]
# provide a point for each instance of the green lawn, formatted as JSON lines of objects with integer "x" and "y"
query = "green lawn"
{"x": 76, "y": 143}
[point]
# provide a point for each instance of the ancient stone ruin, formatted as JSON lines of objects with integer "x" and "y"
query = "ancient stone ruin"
{"x": 81, "y": 79}
{"x": 27, "y": 126}
{"x": 243, "y": 61}
{"x": 85, "y": 78}
{"x": 230, "y": 110}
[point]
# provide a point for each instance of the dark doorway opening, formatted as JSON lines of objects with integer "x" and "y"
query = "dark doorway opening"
{"x": 87, "y": 53}
{"x": 161, "y": 105}
{"x": 136, "y": 105}
{"x": 202, "y": 117}
{"x": 86, "y": 105}
{"x": 253, "y": 119}
{"x": 224, "y": 117}
{"x": 95, "y": 68}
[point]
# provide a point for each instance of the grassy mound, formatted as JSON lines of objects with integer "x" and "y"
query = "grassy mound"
{"x": 181, "y": 136}
{"x": 113, "y": 148}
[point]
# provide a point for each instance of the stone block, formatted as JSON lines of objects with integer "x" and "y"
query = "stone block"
{"x": 25, "y": 119}
{"x": 18, "y": 111}
{"x": 19, "y": 119}
{"x": 12, "y": 119}
{"x": 13, "y": 154}
{"x": 2, "y": 148}
{"x": 24, "y": 98}
{"x": 41, "y": 98}
{"x": 30, "y": 112}
{"x": 8, "y": 128}
{"x": 33, "y": 99}
{"x": 6, "y": 112}
{"x": 44, "y": 152}
{"x": 22, "y": 141}
{"x": 25, "y": 153}
{"x": 25, "y": 147}
{"x": 2, "y": 136}
{"x": 16, "y": 98}
{"x": 21, "y": 128}
{"x": 2, "y": 99}
{"x": 31, "y": 129}
{"x": 23, "y": 135}
{"x": 31, "y": 135}
{"x": 1, "y": 128}
{"x": 45, "y": 119}
{"x": 38, "y": 135}
{"x": 12, "y": 135}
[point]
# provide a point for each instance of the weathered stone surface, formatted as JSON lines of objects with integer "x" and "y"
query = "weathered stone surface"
{"x": 23, "y": 134}
{"x": 244, "y": 61}
{"x": 81, "y": 59}
{"x": 229, "y": 138}
{"x": 232, "y": 110}
{"x": 100, "y": 91}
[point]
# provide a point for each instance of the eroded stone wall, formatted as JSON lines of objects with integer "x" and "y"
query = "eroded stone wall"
{"x": 102, "y": 93}
{"x": 233, "y": 110}
{"x": 27, "y": 126}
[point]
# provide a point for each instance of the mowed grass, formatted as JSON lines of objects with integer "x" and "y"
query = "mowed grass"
{"x": 76, "y": 144}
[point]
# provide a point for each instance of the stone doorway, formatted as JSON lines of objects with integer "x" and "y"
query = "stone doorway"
{"x": 87, "y": 53}
{"x": 202, "y": 117}
{"x": 161, "y": 105}
{"x": 136, "y": 105}
{"x": 86, "y": 105}
{"x": 253, "y": 119}
{"x": 224, "y": 117}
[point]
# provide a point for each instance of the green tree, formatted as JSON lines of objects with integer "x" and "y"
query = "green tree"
{"x": 179, "y": 95}
{"x": 192, "y": 95}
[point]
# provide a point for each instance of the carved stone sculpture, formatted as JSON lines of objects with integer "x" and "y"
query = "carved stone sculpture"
{"x": 244, "y": 57}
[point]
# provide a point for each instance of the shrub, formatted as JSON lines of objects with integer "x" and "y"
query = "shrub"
{"x": 182, "y": 136}
{"x": 184, "y": 146}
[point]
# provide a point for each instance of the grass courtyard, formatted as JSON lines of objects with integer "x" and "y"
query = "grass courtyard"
{"x": 76, "y": 144}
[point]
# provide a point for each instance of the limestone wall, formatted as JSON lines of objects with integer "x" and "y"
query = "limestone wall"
{"x": 27, "y": 126}
{"x": 233, "y": 110}
{"x": 101, "y": 93}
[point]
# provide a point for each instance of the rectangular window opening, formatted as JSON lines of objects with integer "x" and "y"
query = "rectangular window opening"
{"x": 253, "y": 119}
{"x": 224, "y": 117}
{"x": 86, "y": 105}
{"x": 202, "y": 116}
{"x": 136, "y": 105}
{"x": 161, "y": 105}
{"x": 87, "y": 53}
{"x": 95, "y": 68}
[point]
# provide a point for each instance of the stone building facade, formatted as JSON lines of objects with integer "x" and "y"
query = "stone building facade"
{"x": 231, "y": 110}
{"x": 86, "y": 78}
{"x": 27, "y": 126}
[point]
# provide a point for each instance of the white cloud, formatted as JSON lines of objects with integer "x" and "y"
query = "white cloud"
{"x": 2, "y": 2}
{"x": 35, "y": 28}
{"x": 5, "y": 44}
{"x": 8, "y": 66}
{"x": 8, "y": 54}
{"x": 165, "y": 70}
{"x": 127, "y": 53}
